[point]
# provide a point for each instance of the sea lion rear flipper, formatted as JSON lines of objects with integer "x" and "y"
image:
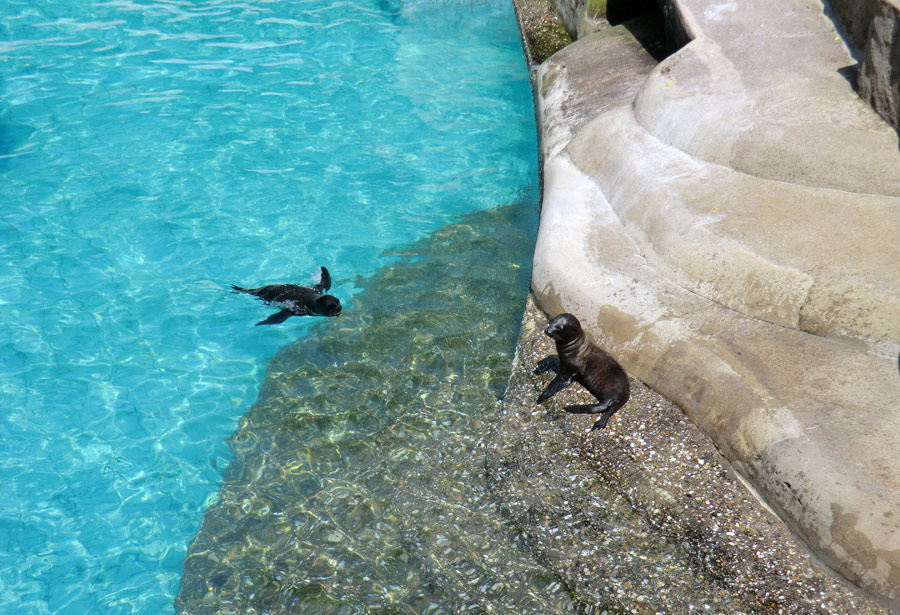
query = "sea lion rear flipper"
{"x": 276, "y": 318}
{"x": 585, "y": 409}
{"x": 547, "y": 364}
{"x": 608, "y": 409}
{"x": 324, "y": 282}
{"x": 556, "y": 385}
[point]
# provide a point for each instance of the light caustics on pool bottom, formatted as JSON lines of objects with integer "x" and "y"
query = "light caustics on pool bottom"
{"x": 358, "y": 484}
{"x": 151, "y": 153}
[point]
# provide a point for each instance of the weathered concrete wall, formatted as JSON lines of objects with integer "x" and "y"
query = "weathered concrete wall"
{"x": 582, "y": 17}
{"x": 874, "y": 28}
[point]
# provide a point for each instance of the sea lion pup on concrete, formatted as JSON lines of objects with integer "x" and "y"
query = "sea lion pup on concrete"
{"x": 580, "y": 360}
{"x": 296, "y": 300}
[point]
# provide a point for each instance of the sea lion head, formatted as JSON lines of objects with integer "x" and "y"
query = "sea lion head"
{"x": 563, "y": 328}
{"x": 327, "y": 305}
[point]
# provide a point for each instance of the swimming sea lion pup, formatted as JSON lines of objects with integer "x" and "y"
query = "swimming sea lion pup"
{"x": 296, "y": 300}
{"x": 580, "y": 360}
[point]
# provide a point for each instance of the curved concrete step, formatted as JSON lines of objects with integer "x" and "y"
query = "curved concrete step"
{"x": 763, "y": 88}
{"x": 812, "y": 423}
{"x": 815, "y": 259}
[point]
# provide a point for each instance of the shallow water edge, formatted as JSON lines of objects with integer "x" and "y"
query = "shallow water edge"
{"x": 358, "y": 483}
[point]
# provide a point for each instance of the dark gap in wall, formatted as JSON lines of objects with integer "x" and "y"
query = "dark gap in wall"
{"x": 620, "y": 11}
{"x": 655, "y": 24}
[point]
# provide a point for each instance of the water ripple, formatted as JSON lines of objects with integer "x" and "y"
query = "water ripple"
{"x": 77, "y": 25}
{"x": 143, "y": 171}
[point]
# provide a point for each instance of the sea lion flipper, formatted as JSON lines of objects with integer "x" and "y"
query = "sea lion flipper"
{"x": 556, "y": 385}
{"x": 547, "y": 364}
{"x": 324, "y": 282}
{"x": 276, "y": 318}
{"x": 585, "y": 409}
{"x": 603, "y": 420}
{"x": 608, "y": 409}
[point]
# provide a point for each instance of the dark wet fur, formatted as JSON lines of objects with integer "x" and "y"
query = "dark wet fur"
{"x": 581, "y": 361}
{"x": 296, "y": 300}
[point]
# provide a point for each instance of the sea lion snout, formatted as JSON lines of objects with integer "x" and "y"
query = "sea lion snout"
{"x": 329, "y": 305}
{"x": 563, "y": 326}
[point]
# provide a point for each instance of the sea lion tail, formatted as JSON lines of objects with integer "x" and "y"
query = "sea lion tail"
{"x": 238, "y": 289}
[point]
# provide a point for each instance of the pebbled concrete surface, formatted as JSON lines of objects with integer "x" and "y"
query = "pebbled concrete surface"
{"x": 645, "y": 516}
{"x": 726, "y": 224}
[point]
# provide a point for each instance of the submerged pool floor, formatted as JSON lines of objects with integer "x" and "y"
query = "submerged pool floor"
{"x": 359, "y": 479}
{"x": 151, "y": 154}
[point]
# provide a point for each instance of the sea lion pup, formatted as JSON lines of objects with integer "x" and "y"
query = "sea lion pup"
{"x": 296, "y": 300}
{"x": 580, "y": 360}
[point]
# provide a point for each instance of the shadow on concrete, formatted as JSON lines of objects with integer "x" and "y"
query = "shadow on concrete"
{"x": 853, "y": 36}
{"x": 660, "y": 35}
{"x": 850, "y": 73}
{"x": 650, "y": 31}
{"x": 620, "y": 11}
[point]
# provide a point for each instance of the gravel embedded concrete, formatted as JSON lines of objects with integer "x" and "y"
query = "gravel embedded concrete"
{"x": 692, "y": 536}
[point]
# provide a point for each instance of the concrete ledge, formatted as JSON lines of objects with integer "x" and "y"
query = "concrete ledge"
{"x": 733, "y": 237}
{"x": 755, "y": 89}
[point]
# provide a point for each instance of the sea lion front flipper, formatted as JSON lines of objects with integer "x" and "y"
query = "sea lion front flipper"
{"x": 276, "y": 318}
{"x": 556, "y": 385}
{"x": 324, "y": 282}
{"x": 547, "y": 364}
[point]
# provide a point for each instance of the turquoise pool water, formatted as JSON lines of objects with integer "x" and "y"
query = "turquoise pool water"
{"x": 151, "y": 154}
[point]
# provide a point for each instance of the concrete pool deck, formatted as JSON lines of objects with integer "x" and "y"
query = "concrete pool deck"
{"x": 727, "y": 224}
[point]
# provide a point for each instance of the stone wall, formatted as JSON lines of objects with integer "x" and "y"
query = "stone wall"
{"x": 874, "y": 29}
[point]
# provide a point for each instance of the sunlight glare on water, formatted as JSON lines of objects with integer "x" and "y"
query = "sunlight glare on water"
{"x": 151, "y": 154}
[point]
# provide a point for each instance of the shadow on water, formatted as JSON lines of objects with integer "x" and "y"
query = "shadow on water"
{"x": 358, "y": 480}
{"x": 391, "y": 8}
{"x": 12, "y": 137}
